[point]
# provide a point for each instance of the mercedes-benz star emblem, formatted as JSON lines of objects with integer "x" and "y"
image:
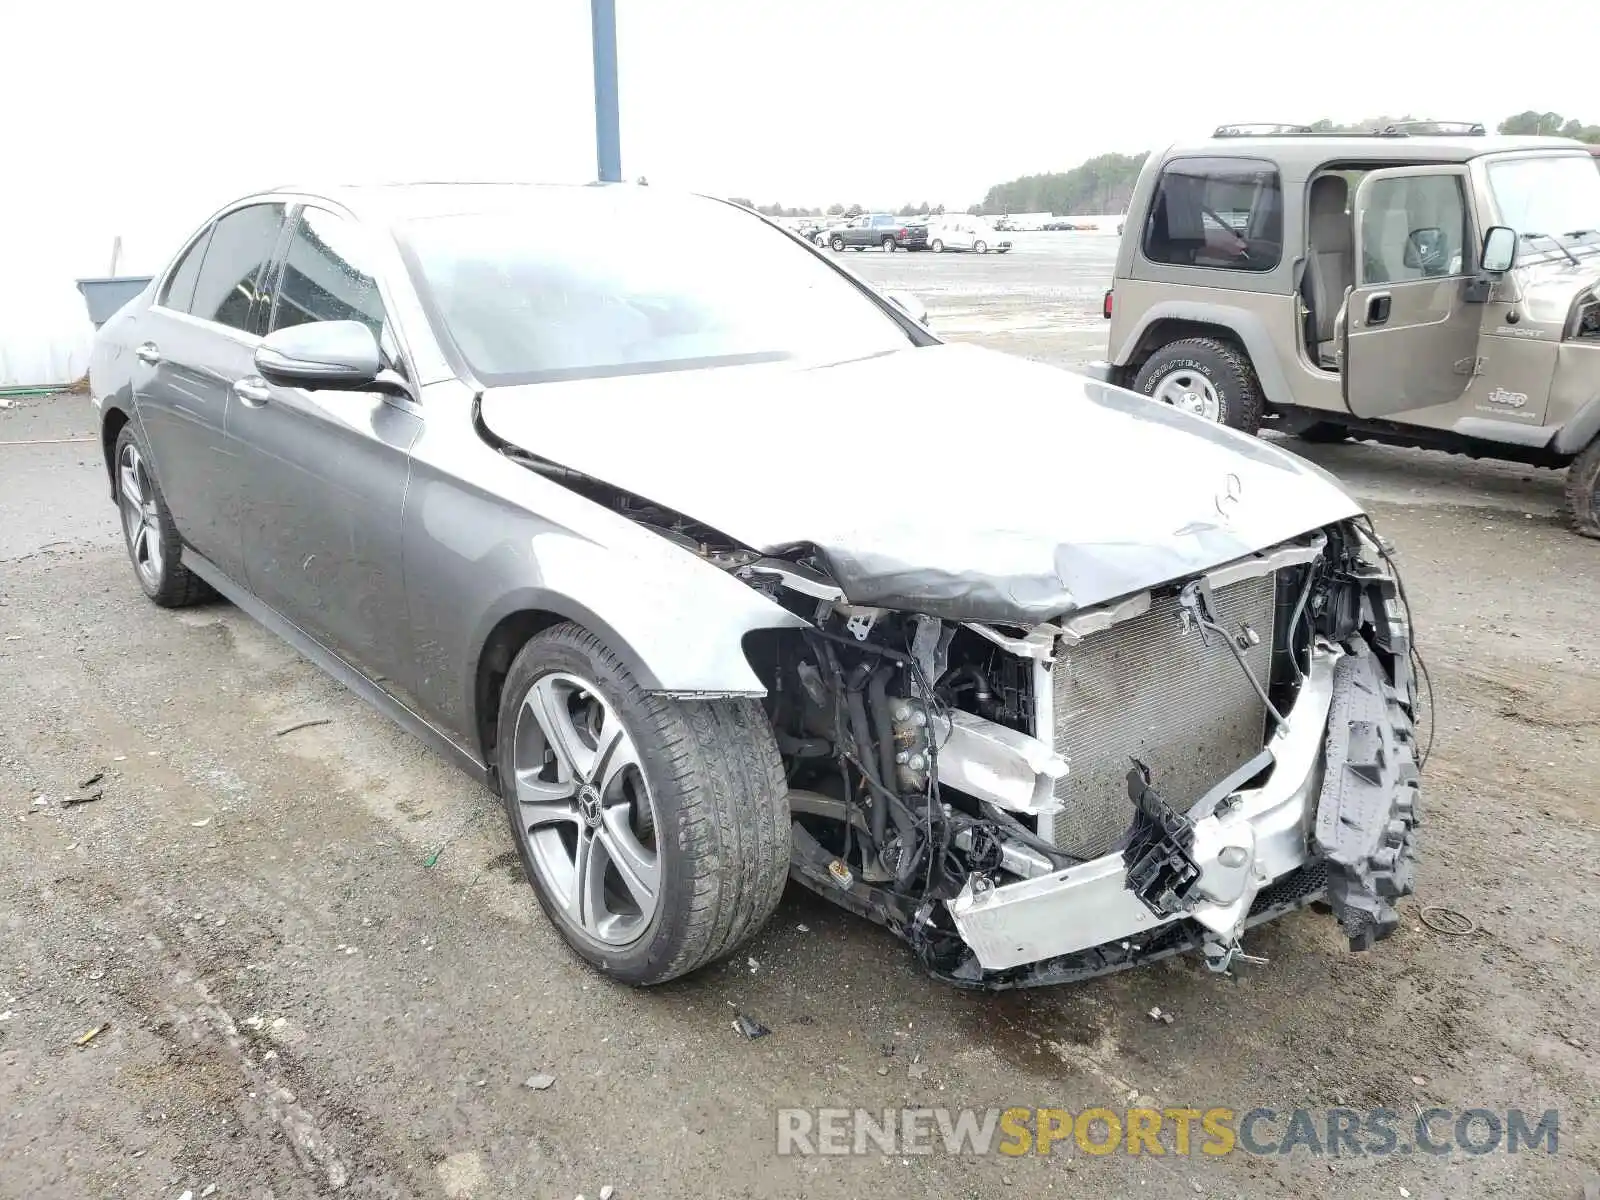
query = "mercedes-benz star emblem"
{"x": 589, "y": 805}
{"x": 1228, "y": 498}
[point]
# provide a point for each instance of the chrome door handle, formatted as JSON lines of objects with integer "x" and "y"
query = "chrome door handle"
{"x": 252, "y": 390}
{"x": 147, "y": 353}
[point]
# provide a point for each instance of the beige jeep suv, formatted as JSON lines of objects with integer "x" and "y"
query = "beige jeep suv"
{"x": 1424, "y": 286}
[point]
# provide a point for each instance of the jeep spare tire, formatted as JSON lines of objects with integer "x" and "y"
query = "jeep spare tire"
{"x": 1207, "y": 377}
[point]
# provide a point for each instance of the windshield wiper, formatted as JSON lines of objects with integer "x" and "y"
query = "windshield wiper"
{"x": 1556, "y": 242}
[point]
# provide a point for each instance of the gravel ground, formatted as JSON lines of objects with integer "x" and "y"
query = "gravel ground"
{"x": 292, "y": 1002}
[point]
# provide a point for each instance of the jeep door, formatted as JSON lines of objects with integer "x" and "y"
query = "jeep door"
{"x": 1410, "y": 332}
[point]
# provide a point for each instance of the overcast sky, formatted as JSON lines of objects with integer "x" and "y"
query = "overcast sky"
{"x": 140, "y": 118}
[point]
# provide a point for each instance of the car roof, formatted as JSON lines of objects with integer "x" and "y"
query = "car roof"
{"x": 1310, "y": 150}
{"x": 404, "y": 201}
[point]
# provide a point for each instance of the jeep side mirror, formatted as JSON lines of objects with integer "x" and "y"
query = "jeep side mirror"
{"x": 1499, "y": 249}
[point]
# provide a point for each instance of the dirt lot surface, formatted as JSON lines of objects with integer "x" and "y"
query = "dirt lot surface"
{"x": 292, "y": 1002}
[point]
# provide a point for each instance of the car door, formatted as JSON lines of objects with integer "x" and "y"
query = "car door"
{"x": 1410, "y": 331}
{"x": 195, "y": 343}
{"x": 325, "y": 472}
{"x": 860, "y": 231}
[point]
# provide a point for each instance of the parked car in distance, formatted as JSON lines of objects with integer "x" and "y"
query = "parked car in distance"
{"x": 1437, "y": 288}
{"x": 437, "y": 438}
{"x": 883, "y": 230}
{"x": 966, "y": 233}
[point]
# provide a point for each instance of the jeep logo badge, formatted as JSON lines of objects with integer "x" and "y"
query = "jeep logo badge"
{"x": 1507, "y": 399}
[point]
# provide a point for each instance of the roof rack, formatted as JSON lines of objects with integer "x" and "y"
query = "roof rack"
{"x": 1393, "y": 129}
{"x": 1432, "y": 129}
{"x": 1259, "y": 129}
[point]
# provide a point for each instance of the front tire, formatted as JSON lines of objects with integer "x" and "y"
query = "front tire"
{"x": 148, "y": 531}
{"x": 1583, "y": 491}
{"x": 981, "y": 247}
{"x": 655, "y": 831}
{"x": 936, "y": 246}
{"x": 1207, "y": 377}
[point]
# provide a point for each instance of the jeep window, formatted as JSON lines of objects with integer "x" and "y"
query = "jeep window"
{"x": 1555, "y": 196}
{"x": 1413, "y": 227}
{"x": 1217, "y": 212}
{"x": 591, "y": 282}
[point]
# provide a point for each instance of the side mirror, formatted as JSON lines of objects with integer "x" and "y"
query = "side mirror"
{"x": 339, "y": 355}
{"x": 910, "y": 305}
{"x": 1499, "y": 250}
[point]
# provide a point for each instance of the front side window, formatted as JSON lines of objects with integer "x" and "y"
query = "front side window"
{"x": 1412, "y": 227}
{"x": 232, "y": 276}
{"x": 586, "y": 281}
{"x": 1222, "y": 213}
{"x": 178, "y": 292}
{"x": 326, "y": 276}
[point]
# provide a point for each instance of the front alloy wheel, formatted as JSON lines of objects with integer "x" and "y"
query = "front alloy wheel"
{"x": 587, "y": 818}
{"x": 654, "y": 830}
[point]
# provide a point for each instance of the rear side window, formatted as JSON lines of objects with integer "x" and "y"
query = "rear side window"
{"x": 1221, "y": 213}
{"x": 178, "y": 292}
{"x": 326, "y": 276}
{"x": 229, "y": 287}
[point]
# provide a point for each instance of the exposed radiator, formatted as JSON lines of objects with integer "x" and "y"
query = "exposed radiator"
{"x": 1146, "y": 689}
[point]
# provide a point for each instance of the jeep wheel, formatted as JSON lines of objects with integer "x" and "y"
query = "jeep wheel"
{"x": 1206, "y": 377}
{"x": 1583, "y": 491}
{"x": 655, "y": 831}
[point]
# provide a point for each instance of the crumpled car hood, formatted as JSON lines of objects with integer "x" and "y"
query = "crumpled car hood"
{"x": 947, "y": 480}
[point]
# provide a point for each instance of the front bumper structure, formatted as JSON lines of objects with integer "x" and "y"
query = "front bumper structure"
{"x": 1335, "y": 816}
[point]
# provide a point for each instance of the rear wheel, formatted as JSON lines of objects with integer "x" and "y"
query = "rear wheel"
{"x": 888, "y": 245}
{"x": 1583, "y": 491}
{"x": 1206, "y": 377}
{"x": 655, "y": 832}
{"x": 837, "y": 243}
{"x": 148, "y": 529}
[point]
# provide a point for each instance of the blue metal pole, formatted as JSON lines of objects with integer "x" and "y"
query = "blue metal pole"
{"x": 607, "y": 131}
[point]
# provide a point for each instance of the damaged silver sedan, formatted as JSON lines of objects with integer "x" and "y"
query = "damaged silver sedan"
{"x": 721, "y": 569}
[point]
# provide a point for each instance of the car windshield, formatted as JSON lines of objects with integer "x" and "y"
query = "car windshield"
{"x": 610, "y": 281}
{"x": 1559, "y": 196}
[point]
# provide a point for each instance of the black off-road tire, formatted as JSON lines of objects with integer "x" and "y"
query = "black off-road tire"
{"x": 176, "y": 586}
{"x": 1224, "y": 365}
{"x": 1583, "y": 491}
{"x": 721, "y": 800}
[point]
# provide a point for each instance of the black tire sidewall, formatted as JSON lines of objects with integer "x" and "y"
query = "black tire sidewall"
{"x": 170, "y": 582}
{"x": 1583, "y": 491}
{"x": 1232, "y": 388}
{"x": 836, "y": 245}
{"x": 568, "y": 648}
